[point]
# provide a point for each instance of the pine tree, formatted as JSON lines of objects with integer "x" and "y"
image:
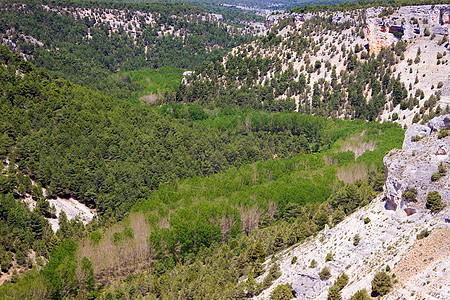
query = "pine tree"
{"x": 434, "y": 202}
{"x": 381, "y": 284}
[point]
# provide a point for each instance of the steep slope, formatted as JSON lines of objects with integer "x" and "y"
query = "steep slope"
{"x": 420, "y": 265}
{"x": 377, "y": 236}
{"x": 114, "y": 36}
{"x": 348, "y": 64}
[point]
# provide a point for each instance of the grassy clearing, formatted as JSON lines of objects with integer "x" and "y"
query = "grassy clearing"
{"x": 151, "y": 81}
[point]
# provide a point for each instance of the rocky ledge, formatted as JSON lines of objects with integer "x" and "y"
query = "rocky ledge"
{"x": 413, "y": 165}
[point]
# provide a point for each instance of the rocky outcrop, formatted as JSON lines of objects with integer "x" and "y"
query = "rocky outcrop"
{"x": 378, "y": 35}
{"x": 380, "y": 31}
{"x": 385, "y": 240}
{"x": 413, "y": 165}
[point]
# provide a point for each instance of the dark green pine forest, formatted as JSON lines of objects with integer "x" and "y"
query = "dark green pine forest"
{"x": 192, "y": 194}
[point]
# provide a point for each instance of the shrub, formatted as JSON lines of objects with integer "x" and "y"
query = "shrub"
{"x": 435, "y": 176}
{"x": 394, "y": 116}
{"x": 95, "y": 236}
{"x": 325, "y": 273}
{"x": 416, "y": 138}
{"x": 294, "y": 260}
{"x": 117, "y": 237}
{"x": 381, "y": 284}
{"x": 329, "y": 256}
{"x": 341, "y": 281}
{"x": 410, "y": 194}
{"x": 282, "y": 292}
{"x": 442, "y": 170}
{"x": 360, "y": 295}
{"x": 434, "y": 202}
{"x": 423, "y": 234}
{"x": 367, "y": 220}
{"x": 442, "y": 134}
{"x": 128, "y": 232}
{"x": 313, "y": 264}
{"x": 356, "y": 240}
{"x": 334, "y": 293}
{"x": 388, "y": 268}
{"x": 274, "y": 273}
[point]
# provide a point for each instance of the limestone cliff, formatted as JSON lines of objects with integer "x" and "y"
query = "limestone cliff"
{"x": 413, "y": 165}
{"x": 378, "y": 35}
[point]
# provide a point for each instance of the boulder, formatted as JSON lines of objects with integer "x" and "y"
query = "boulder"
{"x": 438, "y": 123}
{"x": 415, "y": 130}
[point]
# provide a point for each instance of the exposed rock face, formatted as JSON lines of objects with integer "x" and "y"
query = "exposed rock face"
{"x": 415, "y": 131}
{"x": 413, "y": 166}
{"x": 307, "y": 284}
{"x": 378, "y": 35}
{"x": 385, "y": 240}
{"x": 380, "y": 31}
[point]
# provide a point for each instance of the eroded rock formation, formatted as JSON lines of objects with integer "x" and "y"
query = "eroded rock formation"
{"x": 413, "y": 165}
{"x": 379, "y": 35}
{"x": 380, "y": 32}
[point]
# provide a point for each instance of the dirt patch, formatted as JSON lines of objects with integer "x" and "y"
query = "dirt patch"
{"x": 149, "y": 99}
{"x": 359, "y": 148}
{"x": 352, "y": 172}
{"x": 423, "y": 254}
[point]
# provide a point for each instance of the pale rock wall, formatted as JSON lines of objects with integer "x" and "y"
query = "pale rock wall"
{"x": 413, "y": 166}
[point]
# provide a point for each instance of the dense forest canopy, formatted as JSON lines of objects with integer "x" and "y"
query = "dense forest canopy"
{"x": 58, "y": 36}
{"x": 192, "y": 195}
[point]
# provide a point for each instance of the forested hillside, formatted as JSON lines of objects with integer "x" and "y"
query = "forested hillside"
{"x": 87, "y": 41}
{"x": 196, "y": 186}
{"x": 109, "y": 153}
{"x": 323, "y": 64}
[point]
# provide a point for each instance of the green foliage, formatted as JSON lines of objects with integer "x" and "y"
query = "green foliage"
{"x": 282, "y": 292}
{"x": 95, "y": 236}
{"x": 443, "y": 133}
{"x": 334, "y": 292}
{"x": 274, "y": 273}
{"x": 423, "y": 234}
{"x": 293, "y": 260}
{"x": 86, "y": 277}
{"x": 388, "y": 268}
{"x": 66, "y": 46}
{"x": 60, "y": 270}
{"x": 434, "y": 202}
{"x": 356, "y": 240}
{"x": 258, "y": 252}
{"x": 381, "y": 284}
{"x": 341, "y": 281}
{"x": 20, "y": 229}
{"x": 360, "y": 295}
{"x": 325, "y": 273}
{"x": 128, "y": 232}
{"x": 329, "y": 257}
{"x": 352, "y": 196}
{"x": 366, "y": 220}
{"x": 117, "y": 237}
{"x": 435, "y": 176}
{"x": 410, "y": 194}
